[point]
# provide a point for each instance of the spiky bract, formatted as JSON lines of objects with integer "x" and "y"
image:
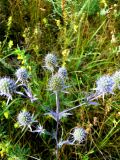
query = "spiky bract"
{"x": 50, "y": 61}
{"x": 22, "y": 74}
{"x": 7, "y": 87}
{"x": 62, "y": 72}
{"x": 39, "y": 130}
{"x": 56, "y": 83}
{"x": 78, "y": 135}
{"x": 25, "y": 119}
{"x": 105, "y": 85}
{"x": 61, "y": 115}
{"x": 116, "y": 79}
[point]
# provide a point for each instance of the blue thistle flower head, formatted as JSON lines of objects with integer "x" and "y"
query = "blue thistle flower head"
{"x": 25, "y": 119}
{"x": 50, "y": 61}
{"x": 116, "y": 79}
{"x": 62, "y": 72}
{"x": 78, "y": 135}
{"x": 56, "y": 83}
{"x": 22, "y": 75}
{"x": 105, "y": 85}
{"x": 7, "y": 87}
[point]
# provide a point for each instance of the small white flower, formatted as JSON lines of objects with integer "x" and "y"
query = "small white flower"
{"x": 104, "y": 11}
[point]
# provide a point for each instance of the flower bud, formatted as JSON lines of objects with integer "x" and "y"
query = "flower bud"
{"x": 62, "y": 72}
{"x": 50, "y": 61}
{"x": 7, "y": 87}
{"x": 22, "y": 74}
{"x": 56, "y": 83}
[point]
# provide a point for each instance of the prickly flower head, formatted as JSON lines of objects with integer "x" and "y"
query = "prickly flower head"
{"x": 25, "y": 119}
{"x": 7, "y": 87}
{"x": 56, "y": 83}
{"x": 62, "y": 72}
{"x": 78, "y": 135}
{"x": 50, "y": 61}
{"x": 105, "y": 84}
{"x": 22, "y": 74}
{"x": 116, "y": 79}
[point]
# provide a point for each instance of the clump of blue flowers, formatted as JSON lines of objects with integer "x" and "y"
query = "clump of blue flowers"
{"x": 105, "y": 85}
{"x": 8, "y": 86}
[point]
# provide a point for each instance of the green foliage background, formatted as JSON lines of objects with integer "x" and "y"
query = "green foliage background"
{"x": 85, "y": 36}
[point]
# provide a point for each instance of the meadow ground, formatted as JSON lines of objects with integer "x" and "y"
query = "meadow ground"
{"x": 83, "y": 37}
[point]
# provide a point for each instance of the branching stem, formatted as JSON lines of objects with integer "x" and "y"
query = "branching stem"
{"x": 57, "y": 113}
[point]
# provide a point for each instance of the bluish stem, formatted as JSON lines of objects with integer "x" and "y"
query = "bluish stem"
{"x": 78, "y": 105}
{"x": 57, "y": 113}
{"x": 74, "y": 107}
